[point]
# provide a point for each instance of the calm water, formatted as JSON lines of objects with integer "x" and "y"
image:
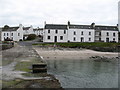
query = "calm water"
{"x": 84, "y": 74}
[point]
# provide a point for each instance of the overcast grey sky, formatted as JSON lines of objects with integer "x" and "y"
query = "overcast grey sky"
{"x": 35, "y": 12}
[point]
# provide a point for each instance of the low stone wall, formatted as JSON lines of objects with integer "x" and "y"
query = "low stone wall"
{"x": 6, "y": 46}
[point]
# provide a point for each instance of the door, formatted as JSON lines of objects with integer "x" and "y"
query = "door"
{"x": 107, "y": 39}
{"x": 55, "y": 39}
{"x": 82, "y": 39}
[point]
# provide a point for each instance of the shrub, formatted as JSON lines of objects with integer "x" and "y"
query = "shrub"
{"x": 31, "y": 37}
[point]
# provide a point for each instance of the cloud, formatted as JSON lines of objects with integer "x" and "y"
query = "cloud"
{"x": 35, "y": 12}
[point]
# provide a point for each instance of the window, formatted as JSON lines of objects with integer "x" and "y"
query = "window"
{"x": 48, "y": 37}
{"x": 18, "y": 34}
{"x": 74, "y": 33}
{"x": 61, "y": 37}
{"x": 11, "y": 34}
{"x": 89, "y": 33}
{"x": 114, "y": 34}
{"x": 82, "y": 33}
{"x": 56, "y": 31}
{"x": 89, "y": 39}
{"x": 4, "y": 34}
{"x": 107, "y": 34}
{"x": 99, "y": 39}
{"x": 48, "y": 31}
{"x": 7, "y": 34}
{"x": 100, "y": 33}
{"x": 64, "y": 31}
{"x": 74, "y": 38}
{"x": 12, "y": 38}
{"x": 113, "y": 39}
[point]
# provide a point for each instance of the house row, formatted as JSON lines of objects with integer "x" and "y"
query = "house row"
{"x": 19, "y": 33}
{"x": 63, "y": 33}
{"x": 80, "y": 33}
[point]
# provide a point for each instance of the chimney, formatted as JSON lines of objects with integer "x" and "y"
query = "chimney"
{"x": 93, "y": 25}
{"x": 68, "y": 23}
{"x": 45, "y": 23}
{"x": 20, "y": 25}
{"x": 117, "y": 26}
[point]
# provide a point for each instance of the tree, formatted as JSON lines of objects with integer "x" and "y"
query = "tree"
{"x": 31, "y": 37}
{"x": 5, "y": 27}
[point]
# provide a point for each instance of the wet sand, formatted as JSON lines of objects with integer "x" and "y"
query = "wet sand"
{"x": 71, "y": 54}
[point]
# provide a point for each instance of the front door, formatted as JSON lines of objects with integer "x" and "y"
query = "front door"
{"x": 82, "y": 39}
{"x": 55, "y": 39}
{"x": 107, "y": 39}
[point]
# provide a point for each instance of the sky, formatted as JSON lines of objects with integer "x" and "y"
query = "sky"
{"x": 36, "y": 12}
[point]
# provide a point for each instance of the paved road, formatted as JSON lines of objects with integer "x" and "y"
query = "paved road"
{"x": 22, "y": 51}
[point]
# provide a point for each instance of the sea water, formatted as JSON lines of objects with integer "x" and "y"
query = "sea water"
{"x": 84, "y": 73}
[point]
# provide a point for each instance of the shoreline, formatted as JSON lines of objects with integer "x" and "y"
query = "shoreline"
{"x": 71, "y": 54}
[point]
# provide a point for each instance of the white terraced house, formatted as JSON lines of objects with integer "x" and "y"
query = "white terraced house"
{"x": 38, "y": 31}
{"x": 12, "y": 33}
{"x": 18, "y": 33}
{"x": 80, "y": 33}
{"x": 27, "y": 31}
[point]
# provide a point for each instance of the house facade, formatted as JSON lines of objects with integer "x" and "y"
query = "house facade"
{"x": 38, "y": 31}
{"x": 106, "y": 33}
{"x": 19, "y": 33}
{"x": 27, "y": 31}
{"x": 55, "y": 33}
{"x": 12, "y": 33}
{"x": 80, "y": 33}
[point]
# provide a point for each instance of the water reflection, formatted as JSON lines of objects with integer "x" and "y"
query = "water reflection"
{"x": 85, "y": 73}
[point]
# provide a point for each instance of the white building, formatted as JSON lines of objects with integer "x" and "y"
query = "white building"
{"x": 38, "y": 31}
{"x": 79, "y": 33}
{"x": 12, "y": 33}
{"x": 106, "y": 33}
{"x": 55, "y": 33}
{"x": 27, "y": 31}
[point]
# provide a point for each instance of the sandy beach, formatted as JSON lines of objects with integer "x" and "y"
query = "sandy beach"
{"x": 71, "y": 54}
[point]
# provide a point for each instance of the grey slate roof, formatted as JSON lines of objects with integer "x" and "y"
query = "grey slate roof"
{"x": 10, "y": 29}
{"x": 26, "y": 28}
{"x": 55, "y": 26}
{"x": 110, "y": 28}
{"x": 37, "y": 29}
{"x": 80, "y": 27}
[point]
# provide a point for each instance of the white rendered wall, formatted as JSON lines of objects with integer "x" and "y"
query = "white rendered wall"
{"x": 78, "y": 35}
{"x": 52, "y": 35}
{"x": 15, "y": 34}
{"x": 104, "y": 35}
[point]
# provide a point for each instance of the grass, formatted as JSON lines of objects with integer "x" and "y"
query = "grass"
{"x": 26, "y": 65}
{"x": 74, "y": 45}
{"x": 8, "y": 84}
